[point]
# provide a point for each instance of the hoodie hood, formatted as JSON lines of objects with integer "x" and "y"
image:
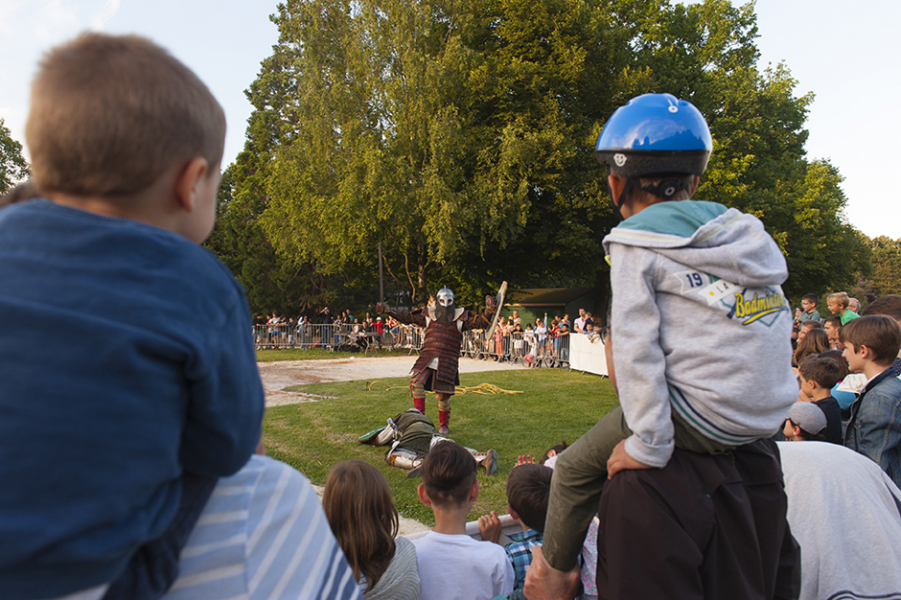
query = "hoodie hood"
{"x": 721, "y": 241}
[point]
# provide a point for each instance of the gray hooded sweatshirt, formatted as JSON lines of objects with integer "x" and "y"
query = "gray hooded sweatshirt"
{"x": 701, "y": 326}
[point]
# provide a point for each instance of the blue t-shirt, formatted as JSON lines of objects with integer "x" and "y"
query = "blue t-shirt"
{"x": 126, "y": 357}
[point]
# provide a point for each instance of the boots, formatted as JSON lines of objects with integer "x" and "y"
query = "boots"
{"x": 419, "y": 404}
{"x": 443, "y": 420}
{"x": 487, "y": 460}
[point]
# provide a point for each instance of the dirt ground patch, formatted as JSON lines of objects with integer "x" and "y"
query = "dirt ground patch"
{"x": 281, "y": 374}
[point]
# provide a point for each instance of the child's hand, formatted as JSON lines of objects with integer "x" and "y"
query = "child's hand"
{"x": 490, "y": 527}
{"x": 525, "y": 459}
{"x": 621, "y": 461}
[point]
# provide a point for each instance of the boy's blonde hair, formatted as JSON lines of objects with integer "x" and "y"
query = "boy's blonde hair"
{"x": 110, "y": 114}
{"x": 841, "y": 297}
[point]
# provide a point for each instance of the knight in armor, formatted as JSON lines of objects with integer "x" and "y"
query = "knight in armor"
{"x": 411, "y": 436}
{"x": 436, "y": 369}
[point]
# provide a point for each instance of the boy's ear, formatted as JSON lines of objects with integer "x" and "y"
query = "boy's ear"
{"x": 617, "y": 185}
{"x": 695, "y": 182}
{"x": 813, "y": 384}
{"x": 474, "y": 491}
{"x": 423, "y": 495}
{"x": 513, "y": 514}
{"x": 188, "y": 181}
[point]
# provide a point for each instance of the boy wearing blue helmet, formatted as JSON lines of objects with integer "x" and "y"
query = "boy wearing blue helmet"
{"x": 703, "y": 352}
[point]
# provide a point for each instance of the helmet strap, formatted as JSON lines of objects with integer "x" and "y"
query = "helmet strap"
{"x": 668, "y": 187}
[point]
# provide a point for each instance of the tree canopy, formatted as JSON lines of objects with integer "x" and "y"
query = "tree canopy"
{"x": 459, "y": 134}
{"x": 13, "y": 167}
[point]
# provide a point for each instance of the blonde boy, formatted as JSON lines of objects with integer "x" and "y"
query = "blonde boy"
{"x": 838, "y": 305}
{"x": 452, "y": 565}
{"x": 874, "y": 430}
{"x": 147, "y": 389}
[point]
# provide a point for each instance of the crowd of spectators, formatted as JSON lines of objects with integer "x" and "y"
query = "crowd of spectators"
{"x": 544, "y": 342}
{"x": 848, "y": 367}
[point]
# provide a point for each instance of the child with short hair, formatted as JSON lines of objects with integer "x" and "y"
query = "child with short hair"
{"x": 805, "y": 422}
{"x": 871, "y": 346}
{"x": 452, "y": 565}
{"x": 818, "y": 376}
{"x": 528, "y": 489}
{"x": 147, "y": 390}
{"x": 832, "y": 326}
{"x": 838, "y": 305}
{"x": 806, "y": 313}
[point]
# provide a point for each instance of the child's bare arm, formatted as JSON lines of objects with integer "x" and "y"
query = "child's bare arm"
{"x": 490, "y": 527}
{"x": 621, "y": 461}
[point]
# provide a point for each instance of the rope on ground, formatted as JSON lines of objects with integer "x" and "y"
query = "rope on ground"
{"x": 387, "y": 387}
{"x": 485, "y": 389}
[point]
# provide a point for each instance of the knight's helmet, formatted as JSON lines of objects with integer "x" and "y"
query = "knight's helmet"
{"x": 445, "y": 297}
{"x": 445, "y": 309}
{"x": 655, "y": 135}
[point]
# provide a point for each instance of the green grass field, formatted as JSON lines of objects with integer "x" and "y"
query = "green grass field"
{"x": 555, "y": 404}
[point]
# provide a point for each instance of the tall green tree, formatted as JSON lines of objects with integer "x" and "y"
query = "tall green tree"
{"x": 459, "y": 135}
{"x": 886, "y": 274}
{"x": 13, "y": 167}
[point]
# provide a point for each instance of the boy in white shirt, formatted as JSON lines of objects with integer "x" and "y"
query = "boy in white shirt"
{"x": 452, "y": 565}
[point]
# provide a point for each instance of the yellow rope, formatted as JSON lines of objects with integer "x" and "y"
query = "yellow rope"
{"x": 485, "y": 389}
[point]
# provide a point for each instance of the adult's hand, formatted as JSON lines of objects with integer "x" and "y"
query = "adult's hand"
{"x": 621, "y": 461}
{"x": 544, "y": 582}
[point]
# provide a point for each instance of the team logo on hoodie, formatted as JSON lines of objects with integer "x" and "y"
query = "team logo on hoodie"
{"x": 765, "y": 302}
{"x": 749, "y": 305}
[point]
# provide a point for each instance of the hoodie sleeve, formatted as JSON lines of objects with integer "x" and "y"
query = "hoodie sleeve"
{"x": 639, "y": 361}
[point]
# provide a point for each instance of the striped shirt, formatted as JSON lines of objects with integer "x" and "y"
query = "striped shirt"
{"x": 263, "y": 535}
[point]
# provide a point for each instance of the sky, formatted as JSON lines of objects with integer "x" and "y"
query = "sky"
{"x": 845, "y": 53}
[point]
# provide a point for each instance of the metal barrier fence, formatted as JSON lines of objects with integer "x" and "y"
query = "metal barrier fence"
{"x": 526, "y": 348}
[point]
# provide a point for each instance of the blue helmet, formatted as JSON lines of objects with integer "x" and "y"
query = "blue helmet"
{"x": 655, "y": 135}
